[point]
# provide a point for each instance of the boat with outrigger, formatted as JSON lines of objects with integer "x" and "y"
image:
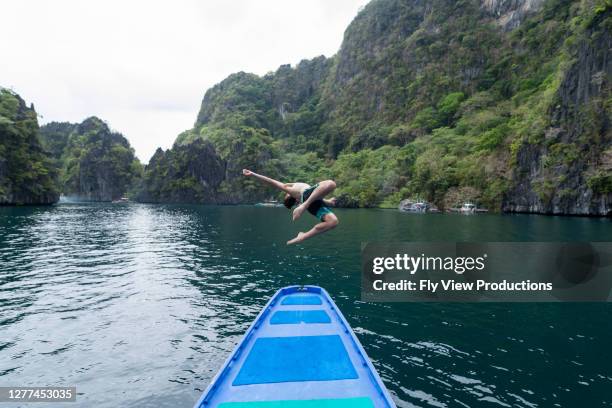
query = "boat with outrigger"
{"x": 299, "y": 352}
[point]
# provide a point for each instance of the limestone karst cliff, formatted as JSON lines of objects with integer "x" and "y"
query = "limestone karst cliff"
{"x": 507, "y": 99}
{"x": 95, "y": 163}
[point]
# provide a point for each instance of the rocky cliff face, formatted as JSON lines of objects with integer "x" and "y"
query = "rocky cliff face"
{"x": 570, "y": 172}
{"x": 265, "y": 100}
{"x": 185, "y": 174}
{"x": 236, "y": 122}
{"x": 374, "y": 46}
{"x": 96, "y": 163}
{"x": 510, "y": 13}
{"x": 27, "y": 175}
{"x": 292, "y": 87}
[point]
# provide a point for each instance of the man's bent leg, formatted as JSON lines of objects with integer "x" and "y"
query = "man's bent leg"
{"x": 331, "y": 221}
{"x": 323, "y": 189}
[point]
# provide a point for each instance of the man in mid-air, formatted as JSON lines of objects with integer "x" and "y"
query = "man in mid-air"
{"x": 310, "y": 198}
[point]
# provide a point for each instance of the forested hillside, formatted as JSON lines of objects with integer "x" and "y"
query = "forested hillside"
{"x": 95, "y": 163}
{"x": 27, "y": 175}
{"x": 506, "y": 103}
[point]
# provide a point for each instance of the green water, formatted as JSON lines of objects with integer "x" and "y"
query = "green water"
{"x": 139, "y": 305}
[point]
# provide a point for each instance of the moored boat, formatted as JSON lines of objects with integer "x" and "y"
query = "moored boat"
{"x": 418, "y": 206}
{"x": 468, "y": 208}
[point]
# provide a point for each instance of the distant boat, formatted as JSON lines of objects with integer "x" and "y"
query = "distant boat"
{"x": 419, "y": 206}
{"x": 269, "y": 203}
{"x": 300, "y": 352}
{"x": 121, "y": 200}
{"x": 468, "y": 208}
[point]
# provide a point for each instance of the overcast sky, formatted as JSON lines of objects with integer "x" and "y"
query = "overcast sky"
{"x": 143, "y": 66}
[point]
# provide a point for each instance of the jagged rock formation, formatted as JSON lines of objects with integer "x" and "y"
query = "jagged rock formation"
{"x": 185, "y": 174}
{"x": 510, "y": 13}
{"x": 27, "y": 175}
{"x": 509, "y": 99}
{"x": 96, "y": 163}
{"x": 570, "y": 171}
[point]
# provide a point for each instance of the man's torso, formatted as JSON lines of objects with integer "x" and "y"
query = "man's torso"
{"x": 297, "y": 189}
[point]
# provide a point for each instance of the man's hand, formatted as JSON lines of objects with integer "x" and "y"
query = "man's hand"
{"x": 247, "y": 172}
{"x": 297, "y": 213}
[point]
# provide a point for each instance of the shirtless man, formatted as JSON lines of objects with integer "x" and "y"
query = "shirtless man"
{"x": 310, "y": 198}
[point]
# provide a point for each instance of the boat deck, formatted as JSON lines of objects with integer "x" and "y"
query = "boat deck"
{"x": 299, "y": 353}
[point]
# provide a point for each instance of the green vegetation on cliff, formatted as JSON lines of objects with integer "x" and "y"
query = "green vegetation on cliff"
{"x": 96, "y": 164}
{"x": 504, "y": 103}
{"x": 27, "y": 175}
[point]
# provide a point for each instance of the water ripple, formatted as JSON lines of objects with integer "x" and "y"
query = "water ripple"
{"x": 139, "y": 306}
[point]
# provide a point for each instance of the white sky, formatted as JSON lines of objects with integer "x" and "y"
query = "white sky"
{"x": 143, "y": 66}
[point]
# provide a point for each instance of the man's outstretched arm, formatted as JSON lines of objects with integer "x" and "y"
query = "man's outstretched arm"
{"x": 272, "y": 182}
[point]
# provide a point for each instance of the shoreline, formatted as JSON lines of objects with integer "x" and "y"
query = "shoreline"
{"x": 607, "y": 216}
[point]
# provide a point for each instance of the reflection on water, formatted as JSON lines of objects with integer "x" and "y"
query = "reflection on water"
{"x": 139, "y": 305}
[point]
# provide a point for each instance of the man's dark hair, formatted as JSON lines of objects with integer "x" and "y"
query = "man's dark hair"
{"x": 289, "y": 201}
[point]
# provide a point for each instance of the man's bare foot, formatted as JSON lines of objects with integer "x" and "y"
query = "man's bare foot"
{"x": 299, "y": 238}
{"x": 297, "y": 213}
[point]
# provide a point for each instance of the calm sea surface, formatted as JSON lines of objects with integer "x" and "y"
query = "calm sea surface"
{"x": 139, "y": 305}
